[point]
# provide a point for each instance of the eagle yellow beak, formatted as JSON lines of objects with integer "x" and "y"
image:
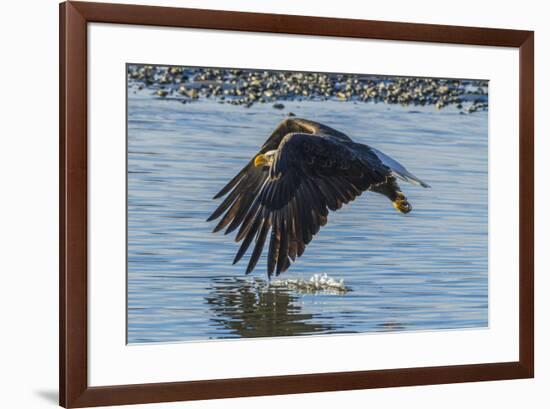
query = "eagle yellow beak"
{"x": 260, "y": 160}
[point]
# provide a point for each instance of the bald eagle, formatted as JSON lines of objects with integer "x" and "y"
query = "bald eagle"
{"x": 303, "y": 170}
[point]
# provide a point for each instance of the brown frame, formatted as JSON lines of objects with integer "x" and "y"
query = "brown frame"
{"x": 73, "y": 382}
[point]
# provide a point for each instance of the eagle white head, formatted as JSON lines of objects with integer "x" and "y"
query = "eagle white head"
{"x": 265, "y": 159}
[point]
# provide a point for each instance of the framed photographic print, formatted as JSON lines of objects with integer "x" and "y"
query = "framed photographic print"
{"x": 255, "y": 204}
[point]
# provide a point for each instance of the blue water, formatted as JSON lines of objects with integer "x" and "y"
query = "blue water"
{"x": 425, "y": 270}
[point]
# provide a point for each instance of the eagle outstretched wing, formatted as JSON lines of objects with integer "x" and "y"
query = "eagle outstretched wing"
{"x": 315, "y": 169}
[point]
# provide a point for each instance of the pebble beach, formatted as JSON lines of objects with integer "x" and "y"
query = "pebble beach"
{"x": 248, "y": 87}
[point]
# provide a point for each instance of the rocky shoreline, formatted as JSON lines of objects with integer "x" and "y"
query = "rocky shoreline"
{"x": 249, "y": 87}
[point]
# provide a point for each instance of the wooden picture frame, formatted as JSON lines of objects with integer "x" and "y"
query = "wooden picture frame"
{"x": 73, "y": 229}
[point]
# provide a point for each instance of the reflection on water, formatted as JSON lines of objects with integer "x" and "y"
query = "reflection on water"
{"x": 426, "y": 270}
{"x": 250, "y": 308}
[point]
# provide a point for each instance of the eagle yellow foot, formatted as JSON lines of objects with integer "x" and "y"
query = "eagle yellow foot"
{"x": 401, "y": 203}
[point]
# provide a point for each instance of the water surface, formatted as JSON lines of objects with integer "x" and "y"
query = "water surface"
{"x": 426, "y": 270}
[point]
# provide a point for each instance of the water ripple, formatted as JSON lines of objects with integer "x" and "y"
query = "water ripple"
{"x": 425, "y": 270}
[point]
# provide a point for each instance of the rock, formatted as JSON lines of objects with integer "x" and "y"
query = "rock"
{"x": 278, "y": 106}
{"x": 192, "y": 93}
{"x": 442, "y": 90}
{"x": 341, "y": 95}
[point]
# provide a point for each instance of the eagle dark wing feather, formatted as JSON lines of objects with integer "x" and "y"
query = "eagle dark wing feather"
{"x": 260, "y": 241}
{"x": 239, "y": 200}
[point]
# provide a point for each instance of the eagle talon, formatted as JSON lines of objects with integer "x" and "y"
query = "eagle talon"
{"x": 402, "y": 205}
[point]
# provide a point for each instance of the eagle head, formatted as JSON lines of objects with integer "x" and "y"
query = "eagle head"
{"x": 265, "y": 159}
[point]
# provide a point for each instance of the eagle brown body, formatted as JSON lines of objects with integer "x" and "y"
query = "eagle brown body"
{"x": 303, "y": 170}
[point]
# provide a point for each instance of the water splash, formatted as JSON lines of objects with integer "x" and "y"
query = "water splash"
{"x": 317, "y": 283}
